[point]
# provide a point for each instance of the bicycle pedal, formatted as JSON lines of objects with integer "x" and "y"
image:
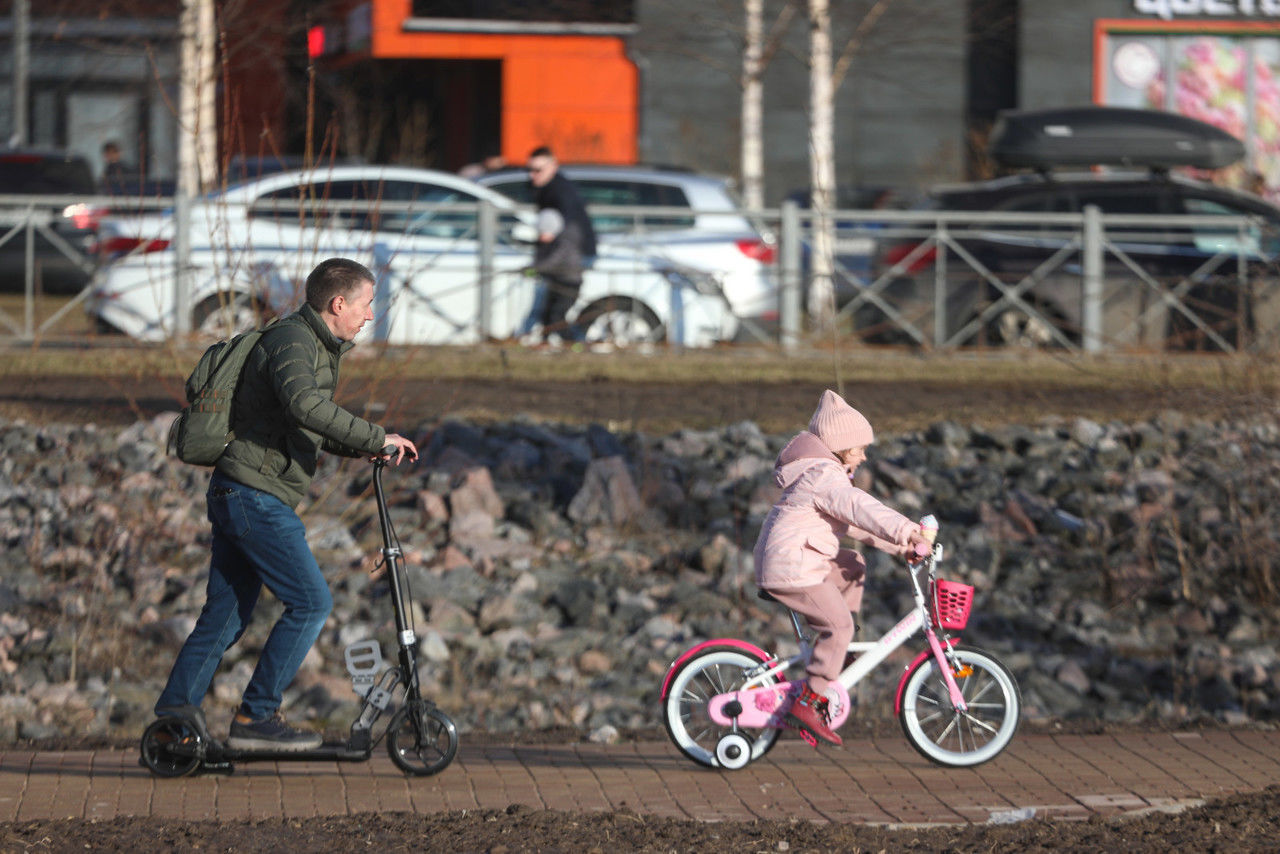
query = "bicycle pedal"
{"x": 809, "y": 738}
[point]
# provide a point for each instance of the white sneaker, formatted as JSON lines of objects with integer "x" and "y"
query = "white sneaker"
{"x": 554, "y": 341}
{"x": 533, "y": 337}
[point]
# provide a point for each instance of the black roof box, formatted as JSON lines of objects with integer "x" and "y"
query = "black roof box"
{"x": 1109, "y": 136}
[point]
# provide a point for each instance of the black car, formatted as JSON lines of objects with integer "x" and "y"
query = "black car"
{"x": 62, "y": 263}
{"x": 1199, "y": 285}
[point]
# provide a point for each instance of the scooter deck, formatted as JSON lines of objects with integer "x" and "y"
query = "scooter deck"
{"x": 332, "y": 752}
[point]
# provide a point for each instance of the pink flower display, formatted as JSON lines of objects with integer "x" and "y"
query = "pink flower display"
{"x": 1210, "y": 84}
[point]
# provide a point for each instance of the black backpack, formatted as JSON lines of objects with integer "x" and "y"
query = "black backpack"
{"x": 202, "y": 430}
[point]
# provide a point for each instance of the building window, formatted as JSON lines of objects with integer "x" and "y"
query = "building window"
{"x": 565, "y": 11}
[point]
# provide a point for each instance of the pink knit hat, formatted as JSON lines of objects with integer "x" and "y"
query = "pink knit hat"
{"x": 839, "y": 425}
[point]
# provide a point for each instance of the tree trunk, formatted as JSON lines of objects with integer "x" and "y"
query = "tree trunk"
{"x": 752, "y": 165}
{"x": 822, "y": 167}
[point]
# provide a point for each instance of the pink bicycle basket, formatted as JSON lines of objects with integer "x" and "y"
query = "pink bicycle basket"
{"x": 952, "y": 602}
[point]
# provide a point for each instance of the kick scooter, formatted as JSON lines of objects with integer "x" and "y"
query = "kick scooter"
{"x": 421, "y": 739}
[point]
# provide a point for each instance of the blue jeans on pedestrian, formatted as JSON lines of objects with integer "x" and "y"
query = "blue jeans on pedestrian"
{"x": 258, "y": 540}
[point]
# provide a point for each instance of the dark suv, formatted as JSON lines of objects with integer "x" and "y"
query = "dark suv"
{"x": 67, "y": 180}
{"x": 1196, "y": 284}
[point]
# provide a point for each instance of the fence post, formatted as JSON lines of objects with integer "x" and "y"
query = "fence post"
{"x": 29, "y": 273}
{"x": 1091, "y": 309}
{"x": 789, "y": 277}
{"x": 675, "y": 330}
{"x": 487, "y": 230}
{"x": 382, "y": 291}
{"x": 181, "y": 261}
{"x": 940, "y": 331}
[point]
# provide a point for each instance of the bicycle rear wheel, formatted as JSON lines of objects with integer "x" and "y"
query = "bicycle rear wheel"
{"x": 715, "y": 670}
{"x": 947, "y": 736}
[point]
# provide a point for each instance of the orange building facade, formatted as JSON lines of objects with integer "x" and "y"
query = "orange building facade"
{"x": 571, "y": 87}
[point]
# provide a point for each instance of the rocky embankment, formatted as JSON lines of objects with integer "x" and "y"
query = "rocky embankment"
{"x": 1124, "y": 572}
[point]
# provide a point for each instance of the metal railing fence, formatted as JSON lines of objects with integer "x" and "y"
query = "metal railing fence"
{"x": 1086, "y": 282}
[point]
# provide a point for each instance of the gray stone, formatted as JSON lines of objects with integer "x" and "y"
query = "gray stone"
{"x": 608, "y": 495}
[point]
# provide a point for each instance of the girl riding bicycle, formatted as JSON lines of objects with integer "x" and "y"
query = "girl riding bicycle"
{"x": 798, "y": 558}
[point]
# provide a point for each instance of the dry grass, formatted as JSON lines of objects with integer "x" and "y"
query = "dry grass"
{"x": 108, "y": 357}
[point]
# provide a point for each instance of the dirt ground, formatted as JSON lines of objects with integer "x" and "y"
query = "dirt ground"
{"x": 1238, "y": 823}
{"x": 1241, "y": 823}
{"x": 651, "y": 407}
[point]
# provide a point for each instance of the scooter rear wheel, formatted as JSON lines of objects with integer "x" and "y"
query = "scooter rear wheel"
{"x": 421, "y": 739}
{"x": 158, "y": 743}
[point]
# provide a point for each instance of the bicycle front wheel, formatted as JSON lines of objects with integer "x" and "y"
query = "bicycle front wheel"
{"x": 715, "y": 670}
{"x": 948, "y": 736}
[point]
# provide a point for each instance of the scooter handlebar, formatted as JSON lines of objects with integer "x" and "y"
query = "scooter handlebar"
{"x": 391, "y": 450}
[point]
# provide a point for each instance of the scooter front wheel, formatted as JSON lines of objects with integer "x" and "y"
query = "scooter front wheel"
{"x": 169, "y": 747}
{"x": 421, "y": 739}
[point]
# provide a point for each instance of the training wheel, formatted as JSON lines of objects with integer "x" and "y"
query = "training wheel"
{"x": 733, "y": 751}
{"x": 169, "y": 747}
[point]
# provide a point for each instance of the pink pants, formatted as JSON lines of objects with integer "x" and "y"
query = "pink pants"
{"x": 829, "y": 607}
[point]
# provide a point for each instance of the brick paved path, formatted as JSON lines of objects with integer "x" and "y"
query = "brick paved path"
{"x": 878, "y": 780}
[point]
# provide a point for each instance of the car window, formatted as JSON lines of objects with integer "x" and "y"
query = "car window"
{"x": 309, "y": 204}
{"x": 517, "y": 189}
{"x": 1229, "y": 238}
{"x": 1049, "y": 200}
{"x": 596, "y": 191}
{"x": 1122, "y": 200}
{"x": 608, "y": 191}
{"x": 430, "y": 215}
{"x": 321, "y": 203}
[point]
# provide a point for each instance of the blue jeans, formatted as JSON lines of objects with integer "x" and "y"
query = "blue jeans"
{"x": 257, "y": 540}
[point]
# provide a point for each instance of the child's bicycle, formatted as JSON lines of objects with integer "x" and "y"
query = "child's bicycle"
{"x": 724, "y": 701}
{"x": 421, "y": 739}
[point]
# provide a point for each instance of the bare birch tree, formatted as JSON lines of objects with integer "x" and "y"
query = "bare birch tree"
{"x": 822, "y": 166}
{"x": 756, "y": 55}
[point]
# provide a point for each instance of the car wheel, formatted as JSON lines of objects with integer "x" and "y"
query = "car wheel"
{"x": 1015, "y": 328}
{"x": 226, "y": 314}
{"x": 620, "y": 322}
{"x": 1218, "y": 305}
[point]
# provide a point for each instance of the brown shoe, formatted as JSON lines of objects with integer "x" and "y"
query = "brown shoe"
{"x": 809, "y": 714}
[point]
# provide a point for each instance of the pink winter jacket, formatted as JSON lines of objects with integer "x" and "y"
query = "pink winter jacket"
{"x": 802, "y": 533}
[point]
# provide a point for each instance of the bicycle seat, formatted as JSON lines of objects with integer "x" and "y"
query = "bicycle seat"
{"x": 765, "y": 595}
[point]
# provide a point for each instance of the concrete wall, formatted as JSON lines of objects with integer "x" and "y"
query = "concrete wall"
{"x": 899, "y": 111}
{"x": 1056, "y": 49}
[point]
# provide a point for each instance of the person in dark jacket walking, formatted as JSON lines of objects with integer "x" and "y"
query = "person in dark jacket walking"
{"x": 558, "y": 261}
{"x": 283, "y": 415}
{"x": 554, "y": 193}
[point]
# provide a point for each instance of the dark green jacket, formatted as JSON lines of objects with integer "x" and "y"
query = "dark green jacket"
{"x": 283, "y": 413}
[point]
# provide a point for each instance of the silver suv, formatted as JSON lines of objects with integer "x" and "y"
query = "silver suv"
{"x": 694, "y": 223}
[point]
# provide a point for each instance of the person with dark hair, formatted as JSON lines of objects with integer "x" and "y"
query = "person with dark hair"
{"x": 116, "y": 173}
{"x": 283, "y": 415}
{"x": 553, "y": 191}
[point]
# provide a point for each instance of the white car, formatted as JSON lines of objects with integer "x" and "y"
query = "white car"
{"x": 252, "y": 246}
{"x": 693, "y": 221}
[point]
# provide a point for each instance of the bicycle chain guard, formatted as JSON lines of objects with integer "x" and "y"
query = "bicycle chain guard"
{"x": 767, "y": 706}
